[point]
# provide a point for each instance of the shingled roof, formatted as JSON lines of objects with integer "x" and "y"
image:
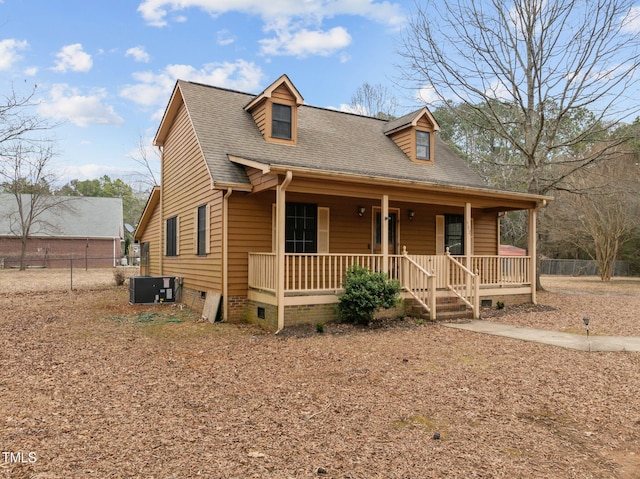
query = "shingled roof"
{"x": 74, "y": 217}
{"x": 327, "y": 141}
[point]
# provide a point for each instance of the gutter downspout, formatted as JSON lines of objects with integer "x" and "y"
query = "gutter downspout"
{"x": 225, "y": 254}
{"x": 280, "y": 246}
{"x": 162, "y": 239}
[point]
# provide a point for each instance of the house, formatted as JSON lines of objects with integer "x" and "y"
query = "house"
{"x": 266, "y": 202}
{"x": 87, "y": 231}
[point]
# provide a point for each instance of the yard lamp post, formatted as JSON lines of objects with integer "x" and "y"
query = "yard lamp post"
{"x": 586, "y": 323}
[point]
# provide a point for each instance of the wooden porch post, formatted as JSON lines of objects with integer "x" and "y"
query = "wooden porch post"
{"x": 533, "y": 238}
{"x": 280, "y": 245}
{"x": 384, "y": 236}
{"x": 467, "y": 234}
{"x": 467, "y": 243}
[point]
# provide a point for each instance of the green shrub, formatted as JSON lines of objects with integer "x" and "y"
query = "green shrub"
{"x": 364, "y": 293}
{"x": 319, "y": 328}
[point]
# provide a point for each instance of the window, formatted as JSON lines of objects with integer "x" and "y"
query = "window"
{"x": 281, "y": 121}
{"x": 301, "y": 230}
{"x": 454, "y": 233}
{"x": 202, "y": 231}
{"x": 172, "y": 236}
{"x": 423, "y": 146}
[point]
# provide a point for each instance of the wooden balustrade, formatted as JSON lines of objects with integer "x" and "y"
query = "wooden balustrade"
{"x": 325, "y": 272}
{"x": 464, "y": 284}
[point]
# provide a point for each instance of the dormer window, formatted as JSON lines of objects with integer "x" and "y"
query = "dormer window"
{"x": 413, "y": 134}
{"x": 423, "y": 145}
{"x": 275, "y": 112}
{"x": 281, "y": 121}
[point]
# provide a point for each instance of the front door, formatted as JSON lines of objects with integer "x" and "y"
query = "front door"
{"x": 393, "y": 231}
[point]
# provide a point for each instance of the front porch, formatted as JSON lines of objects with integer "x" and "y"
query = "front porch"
{"x": 312, "y": 279}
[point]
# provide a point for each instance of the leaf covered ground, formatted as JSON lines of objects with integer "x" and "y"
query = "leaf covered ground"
{"x": 91, "y": 386}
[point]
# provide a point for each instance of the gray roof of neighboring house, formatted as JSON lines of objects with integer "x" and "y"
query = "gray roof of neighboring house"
{"x": 66, "y": 216}
{"x": 327, "y": 140}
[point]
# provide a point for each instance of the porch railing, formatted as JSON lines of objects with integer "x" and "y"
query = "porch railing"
{"x": 502, "y": 270}
{"x": 464, "y": 284}
{"x": 420, "y": 284}
{"x": 314, "y": 272}
{"x": 262, "y": 271}
{"x": 325, "y": 272}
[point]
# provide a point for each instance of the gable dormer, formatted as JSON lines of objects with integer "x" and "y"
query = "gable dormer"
{"x": 275, "y": 111}
{"x": 414, "y": 135}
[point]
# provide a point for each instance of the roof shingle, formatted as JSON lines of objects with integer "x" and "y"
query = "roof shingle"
{"x": 328, "y": 140}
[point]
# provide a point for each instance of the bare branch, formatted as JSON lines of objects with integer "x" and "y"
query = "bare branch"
{"x": 526, "y": 71}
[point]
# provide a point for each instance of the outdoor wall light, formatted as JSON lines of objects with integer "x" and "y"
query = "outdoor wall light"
{"x": 411, "y": 215}
{"x": 361, "y": 210}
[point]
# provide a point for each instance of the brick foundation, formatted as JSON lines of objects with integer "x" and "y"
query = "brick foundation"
{"x": 507, "y": 299}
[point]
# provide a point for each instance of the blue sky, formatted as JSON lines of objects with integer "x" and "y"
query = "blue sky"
{"x": 105, "y": 69}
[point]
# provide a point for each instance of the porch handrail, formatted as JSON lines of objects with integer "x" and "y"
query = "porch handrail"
{"x": 326, "y": 271}
{"x": 502, "y": 270}
{"x": 420, "y": 284}
{"x": 262, "y": 271}
{"x": 465, "y": 284}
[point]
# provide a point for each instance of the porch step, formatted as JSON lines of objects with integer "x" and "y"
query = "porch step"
{"x": 447, "y": 309}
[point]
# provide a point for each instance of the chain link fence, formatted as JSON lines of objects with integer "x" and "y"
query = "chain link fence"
{"x": 579, "y": 267}
{"x": 65, "y": 272}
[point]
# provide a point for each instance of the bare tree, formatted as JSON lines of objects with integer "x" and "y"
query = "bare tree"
{"x": 17, "y": 121}
{"x": 26, "y": 176}
{"x": 25, "y": 155}
{"x": 147, "y": 177}
{"x": 374, "y": 100}
{"x": 600, "y": 214}
{"x": 527, "y": 69}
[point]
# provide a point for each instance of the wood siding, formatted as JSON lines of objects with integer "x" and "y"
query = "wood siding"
{"x": 152, "y": 236}
{"x": 404, "y": 140}
{"x": 186, "y": 186}
{"x": 250, "y": 228}
{"x": 249, "y": 231}
{"x": 259, "y": 114}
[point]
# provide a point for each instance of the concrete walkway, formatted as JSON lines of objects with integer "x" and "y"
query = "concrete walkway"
{"x": 554, "y": 338}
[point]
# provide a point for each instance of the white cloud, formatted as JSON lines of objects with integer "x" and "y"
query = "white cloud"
{"x": 91, "y": 171}
{"x": 9, "y": 52}
{"x": 155, "y": 12}
{"x": 225, "y": 38}
{"x": 73, "y": 58}
{"x": 67, "y": 104}
{"x": 138, "y": 53}
{"x": 31, "y": 71}
{"x": 499, "y": 91}
{"x": 357, "y": 109}
{"x": 631, "y": 22}
{"x": 297, "y": 24}
{"x": 304, "y": 42}
{"x": 427, "y": 95}
{"x": 153, "y": 89}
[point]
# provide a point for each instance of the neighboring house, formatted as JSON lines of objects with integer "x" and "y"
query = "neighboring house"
{"x": 88, "y": 231}
{"x": 508, "y": 250}
{"x": 266, "y": 202}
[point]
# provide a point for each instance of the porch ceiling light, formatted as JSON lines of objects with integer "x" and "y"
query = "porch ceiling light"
{"x": 361, "y": 210}
{"x": 411, "y": 214}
